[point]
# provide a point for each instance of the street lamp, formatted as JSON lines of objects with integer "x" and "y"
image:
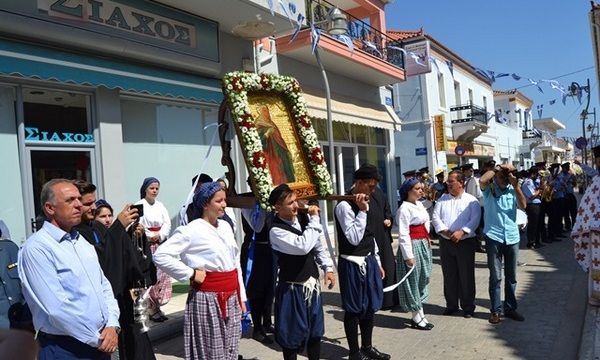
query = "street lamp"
{"x": 337, "y": 24}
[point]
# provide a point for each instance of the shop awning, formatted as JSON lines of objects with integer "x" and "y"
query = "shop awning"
{"x": 352, "y": 111}
{"x": 36, "y": 62}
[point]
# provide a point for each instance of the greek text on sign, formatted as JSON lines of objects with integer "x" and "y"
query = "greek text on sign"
{"x": 122, "y": 17}
{"x": 34, "y": 134}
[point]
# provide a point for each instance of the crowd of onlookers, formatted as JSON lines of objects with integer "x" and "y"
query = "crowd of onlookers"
{"x": 92, "y": 279}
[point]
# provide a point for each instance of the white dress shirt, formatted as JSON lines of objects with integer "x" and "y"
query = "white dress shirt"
{"x": 410, "y": 214}
{"x": 155, "y": 215}
{"x": 472, "y": 187}
{"x": 354, "y": 225}
{"x": 200, "y": 245}
{"x": 289, "y": 243}
{"x": 457, "y": 213}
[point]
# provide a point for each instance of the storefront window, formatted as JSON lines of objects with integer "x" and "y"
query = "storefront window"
{"x": 375, "y": 156}
{"x": 169, "y": 141}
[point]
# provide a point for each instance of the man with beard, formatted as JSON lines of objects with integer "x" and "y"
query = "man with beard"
{"x": 124, "y": 266}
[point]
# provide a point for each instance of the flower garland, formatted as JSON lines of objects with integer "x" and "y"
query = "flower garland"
{"x": 236, "y": 86}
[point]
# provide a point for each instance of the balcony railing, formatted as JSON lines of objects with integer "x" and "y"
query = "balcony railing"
{"x": 532, "y": 134}
{"x": 474, "y": 113}
{"x": 362, "y": 35}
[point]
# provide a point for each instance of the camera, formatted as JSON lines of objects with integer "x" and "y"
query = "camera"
{"x": 140, "y": 209}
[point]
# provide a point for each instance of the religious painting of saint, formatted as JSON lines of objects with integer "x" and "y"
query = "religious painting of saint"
{"x": 278, "y": 156}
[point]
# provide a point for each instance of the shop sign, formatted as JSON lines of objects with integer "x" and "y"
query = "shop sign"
{"x": 441, "y": 143}
{"x": 145, "y": 22}
{"x": 34, "y": 134}
{"x": 418, "y": 62}
{"x": 119, "y": 16}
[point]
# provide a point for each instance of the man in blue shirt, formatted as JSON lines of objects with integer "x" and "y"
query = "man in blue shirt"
{"x": 72, "y": 303}
{"x": 501, "y": 196}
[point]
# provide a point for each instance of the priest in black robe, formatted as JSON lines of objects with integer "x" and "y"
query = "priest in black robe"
{"x": 126, "y": 261}
{"x": 380, "y": 215}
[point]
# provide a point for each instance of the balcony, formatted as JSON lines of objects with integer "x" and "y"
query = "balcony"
{"x": 365, "y": 54}
{"x": 469, "y": 122}
{"x": 231, "y": 14}
{"x": 532, "y": 138}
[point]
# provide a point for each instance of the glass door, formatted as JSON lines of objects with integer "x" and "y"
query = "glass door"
{"x": 47, "y": 163}
{"x": 58, "y": 142}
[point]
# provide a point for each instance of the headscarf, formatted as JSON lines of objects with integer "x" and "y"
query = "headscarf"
{"x": 145, "y": 184}
{"x": 100, "y": 203}
{"x": 406, "y": 186}
{"x": 204, "y": 194}
{"x": 278, "y": 192}
{"x": 367, "y": 172}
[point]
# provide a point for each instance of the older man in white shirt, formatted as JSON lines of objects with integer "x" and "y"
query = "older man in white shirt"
{"x": 455, "y": 218}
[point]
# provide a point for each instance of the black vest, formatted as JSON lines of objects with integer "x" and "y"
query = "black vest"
{"x": 295, "y": 268}
{"x": 262, "y": 235}
{"x": 365, "y": 246}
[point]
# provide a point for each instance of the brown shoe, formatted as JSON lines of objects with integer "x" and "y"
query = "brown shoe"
{"x": 494, "y": 318}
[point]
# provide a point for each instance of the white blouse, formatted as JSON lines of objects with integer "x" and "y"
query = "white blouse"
{"x": 155, "y": 215}
{"x": 200, "y": 245}
{"x": 410, "y": 214}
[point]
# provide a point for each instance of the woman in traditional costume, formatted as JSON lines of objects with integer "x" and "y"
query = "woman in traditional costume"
{"x": 206, "y": 253}
{"x": 157, "y": 225}
{"x": 414, "y": 252}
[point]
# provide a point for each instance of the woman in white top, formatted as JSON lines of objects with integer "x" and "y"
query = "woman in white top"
{"x": 414, "y": 251}
{"x": 157, "y": 226}
{"x": 206, "y": 253}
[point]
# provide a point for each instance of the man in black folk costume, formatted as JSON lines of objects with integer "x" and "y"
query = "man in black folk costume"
{"x": 359, "y": 266}
{"x": 125, "y": 265}
{"x": 260, "y": 287}
{"x": 296, "y": 240}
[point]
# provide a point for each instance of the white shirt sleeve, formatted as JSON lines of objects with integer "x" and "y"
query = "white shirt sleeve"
{"x": 352, "y": 226}
{"x": 167, "y": 259}
{"x": 322, "y": 257}
{"x": 436, "y": 219}
{"x": 403, "y": 217}
{"x": 165, "y": 229}
{"x": 292, "y": 244}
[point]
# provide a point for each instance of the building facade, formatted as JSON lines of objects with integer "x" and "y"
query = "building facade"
{"x": 113, "y": 92}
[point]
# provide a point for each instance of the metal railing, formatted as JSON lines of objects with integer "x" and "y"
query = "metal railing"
{"x": 474, "y": 113}
{"x": 363, "y": 36}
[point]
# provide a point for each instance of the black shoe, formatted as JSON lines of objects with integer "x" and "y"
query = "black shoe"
{"x": 269, "y": 329}
{"x": 513, "y": 314}
{"x": 426, "y": 326}
{"x": 538, "y": 245}
{"x": 530, "y": 246}
{"x": 358, "y": 356}
{"x": 261, "y": 337}
{"x": 157, "y": 317}
{"x": 467, "y": 315}
{"x": 449, "y": 311}
{"x": 372, "y": 353}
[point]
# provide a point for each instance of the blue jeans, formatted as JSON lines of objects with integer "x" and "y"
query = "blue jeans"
{"x": 496, "y": 251}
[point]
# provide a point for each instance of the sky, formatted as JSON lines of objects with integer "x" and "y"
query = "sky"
{"x": 532, "y": 38}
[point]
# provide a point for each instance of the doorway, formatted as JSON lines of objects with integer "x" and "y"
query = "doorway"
{"x": 58, "y": 143}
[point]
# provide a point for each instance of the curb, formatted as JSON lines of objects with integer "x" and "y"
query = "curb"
{"x": 168, "y": 329}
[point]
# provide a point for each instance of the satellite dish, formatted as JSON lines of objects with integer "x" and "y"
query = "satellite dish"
{"x": 254, "y": 30}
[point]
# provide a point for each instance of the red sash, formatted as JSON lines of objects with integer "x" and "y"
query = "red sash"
{"x": 155, "y": 228}
{"x": 224, "y": 284}
{"x": 418, "y": 232}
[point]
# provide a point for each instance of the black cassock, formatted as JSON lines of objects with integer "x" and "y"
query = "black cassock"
{"x": 125, "y": 268}
{"x": 379, "y": 210}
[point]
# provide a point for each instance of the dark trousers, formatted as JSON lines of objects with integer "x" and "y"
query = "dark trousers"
{"x": 571, "y": 210}
{"x": 66, "y": 348}
{"x": 555, "y": 222}
{"x": 458, "y": 269}
{"x": 545, "y": 212}
{"x": 535, "y": 223}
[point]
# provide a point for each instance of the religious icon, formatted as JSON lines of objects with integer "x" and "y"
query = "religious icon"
{"x": 277, "y": 154}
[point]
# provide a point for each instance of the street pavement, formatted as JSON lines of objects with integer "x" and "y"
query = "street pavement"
{"x": 551, "y": 293}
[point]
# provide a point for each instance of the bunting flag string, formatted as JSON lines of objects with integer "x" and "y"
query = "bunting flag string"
{"x": 358, "y": 30}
